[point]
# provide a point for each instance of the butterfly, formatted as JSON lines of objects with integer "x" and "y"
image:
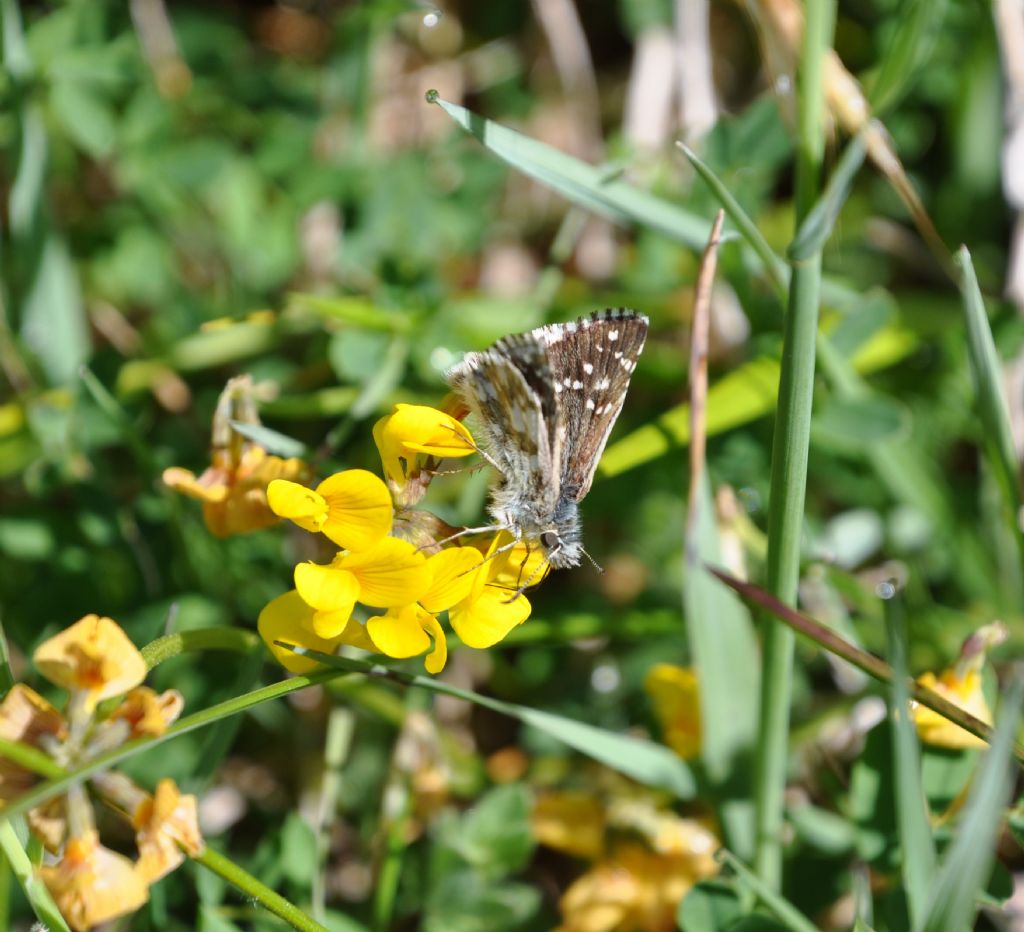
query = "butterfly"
{"x": 546, "y": 402}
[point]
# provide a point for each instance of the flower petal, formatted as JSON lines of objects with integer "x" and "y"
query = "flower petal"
{"x": 95, "y": 656}
{"x": 325, "y": 588}
{"x": 303, "y": 506}
{"x": 676, "y": 698}
{"x": 438, "y": 657}
{"x": 485, "y": 620}
{"x": 392, "y": 573}
{"x": 399, "y": 632}
{"x": 359, "y": 509}
{"x": 963, "y": 691}
{"x": 287, "y": 618}
{"x": 421, "y": 429}
{"x": 451, "y": 577}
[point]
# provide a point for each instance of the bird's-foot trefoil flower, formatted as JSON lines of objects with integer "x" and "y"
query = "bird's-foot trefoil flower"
{"x": 102, "y": 671}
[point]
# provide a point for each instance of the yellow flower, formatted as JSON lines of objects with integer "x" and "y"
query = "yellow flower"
{"x": 290, "y": 620}
{"x": 633, "y": 890}
{"x": 523, "y": 565}
{"x": 352, "y": 508}
{"x": 411, "y": 433}
{"x": 408, "y": 630}
{"x": 94, "y": 657}
{"x": 91, "y": 884}
{"x": 489, "y": 612}
{"x": 27, "y": 717}
{"x": 963, "y": 690}
{"x": 149, "y": 713}
{"x": 167, "y": 826}
{"x": 961, "y": 685}
{"x": 676, "y": 698}
{"x": 391, "y": 574}
{"x": 233, "y": 489}
{"x": 571, "y": 822}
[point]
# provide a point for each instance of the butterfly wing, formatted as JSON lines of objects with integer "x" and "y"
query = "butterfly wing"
{"x": 590, "y": 362}
{"x": 511, "y": 417}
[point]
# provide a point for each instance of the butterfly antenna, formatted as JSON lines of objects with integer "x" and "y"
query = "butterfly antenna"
{"x": 597, "y": 566}
{"x": 466, "y": 530}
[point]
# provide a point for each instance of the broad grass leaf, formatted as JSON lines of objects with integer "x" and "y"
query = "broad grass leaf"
{"x": 709, "y": 906}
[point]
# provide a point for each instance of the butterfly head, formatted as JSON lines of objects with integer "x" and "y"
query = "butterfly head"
{"x": 561, "y": 537}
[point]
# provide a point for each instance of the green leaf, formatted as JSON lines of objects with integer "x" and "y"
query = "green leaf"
{"x": 852, "y": 425}
{"x": 725, "y": 651}
{"x": 644, "y": 761}
{"x": 709, "y": 906}
{"x": 463, "y": 901}
{"x": 827, "y": 832}
{"x": 918, "y": 848}
{"x": 271, "y": 440}
{"x": 966, "y": 863}
{"x": 785, "y": 912}
{"x": 495, "y": 834}
{"x": 817, "y": 226}
{"x": 298, "y": 850}
{"x": 919, "y": 24}
{"x": 85, "y": 115}
{"x": 52, "y": 315}
{"x": 579, "y": 182}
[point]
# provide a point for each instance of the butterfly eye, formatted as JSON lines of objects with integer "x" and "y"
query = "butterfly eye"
{"x": 549, "y": 539}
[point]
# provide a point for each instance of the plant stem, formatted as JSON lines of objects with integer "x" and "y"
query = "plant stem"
{"x": 262, "y": 894}
{"x": 789, "y": 455}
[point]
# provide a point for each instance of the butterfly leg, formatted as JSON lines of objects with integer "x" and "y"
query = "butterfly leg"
{"x": 464, "y": 532}
{"x": 503, "y": 549}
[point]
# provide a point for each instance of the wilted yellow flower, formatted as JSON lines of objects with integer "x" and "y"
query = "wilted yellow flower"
{"x": 233, "y": 489}
{"x": 93, "y": 657}
{"x": 27, "y": 717}
{"x": 411, "y": 433}
{"x": 352, "y": 508}
{"x": 91, "y": 884}
{"x": 148, "y": 713}
{"x": 167, "y": 827}
{"x": 961, "y": 685}
{"x": 676, "y": 698}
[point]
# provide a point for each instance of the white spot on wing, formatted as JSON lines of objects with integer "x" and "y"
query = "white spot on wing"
{"x": 590, "y": 404}
{"x": 577, "y": 385}
{"x": 613, "y": 335}
{"x": 603, "y": 384}
{"x": 588, "y": 368}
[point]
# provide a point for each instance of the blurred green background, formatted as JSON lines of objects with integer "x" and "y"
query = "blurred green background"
{"x": 170, "y": 173}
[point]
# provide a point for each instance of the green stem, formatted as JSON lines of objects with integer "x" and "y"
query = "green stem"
{"x": 235, "y": 639}
{"x": 789, "y": 455}
{"x": 21, "y": 866}
{"x": 59, "y": 784}
{"x": 262, "y": 894}
{"x": 784, "y": 911}
{"x": 340, "y": 724}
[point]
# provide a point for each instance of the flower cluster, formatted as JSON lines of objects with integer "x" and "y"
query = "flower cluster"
{"x": 95, "y": 661}
{"x": 394, "y": 565}
{"x": 233, "y": 488}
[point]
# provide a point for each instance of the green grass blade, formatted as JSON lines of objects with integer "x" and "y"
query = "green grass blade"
{"x": 992, "y": 407}
{"x": 818, "y": 224}
{"x": 780, "y": 907}
{"x": 778, "y": 269}
{"x": 271, "y": 440}
{"x": 59, "y": 784}
{"x": 171, "y": 645}
{"x": 579, "y": 182}
{"x": 917, "y": 847}
{"x": 35, "y": 890}
{"x": 644, "y": 761}
{"x": 6, "y": 676}
{"x": 919, "y": 24}
{"x": 725, "y": 651}
{"x": 966, "y": 864}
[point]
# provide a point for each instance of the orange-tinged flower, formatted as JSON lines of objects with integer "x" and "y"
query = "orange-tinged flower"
{"x": 290, "y": 620}
{"x": 352, "y": 508}
{"x": 27, "y": 717}
{"x": 632, "y": 890}
{"x": 572, "y": 822}
{"x": 95, "y": 657}
{"x": 391, "y": 574}
{"x": 676, "y": 698}
{"x": 167, "y": 826}
{"x": 148, "y": 712}
{"x": 411, "y": 433}
{"x": 233, "y": 489}
{"x": 91, "y": 884}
